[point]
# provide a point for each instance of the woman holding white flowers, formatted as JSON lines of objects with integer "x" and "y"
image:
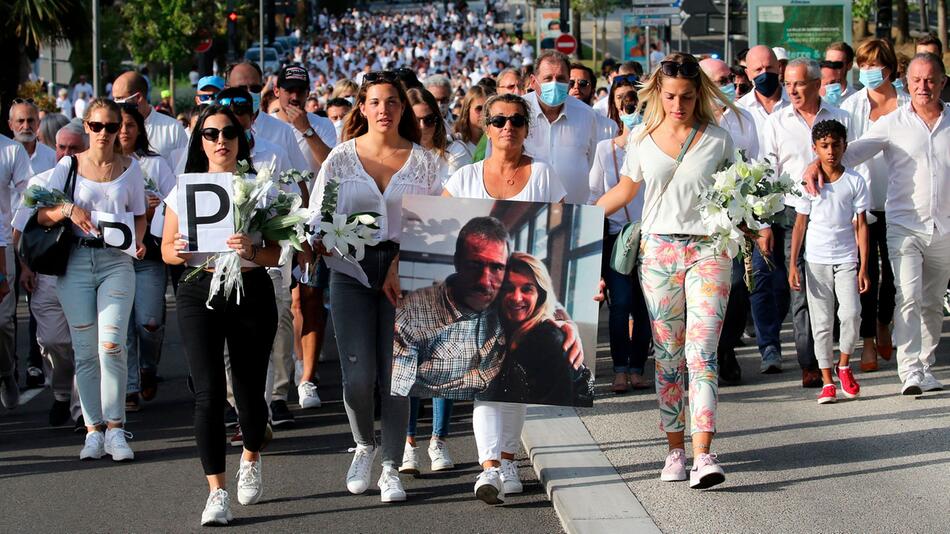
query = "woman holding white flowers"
{"x": 377, "y": 163}
{"x": 248, "y": 324}
{"x": 97, "y": 290}
{"x": 685, "y": 281}
{"x": 147, "y": 323}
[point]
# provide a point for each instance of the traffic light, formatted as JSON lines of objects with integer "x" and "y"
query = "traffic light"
{"x": 232, "y": 16}
{"x": 232, "y": 34}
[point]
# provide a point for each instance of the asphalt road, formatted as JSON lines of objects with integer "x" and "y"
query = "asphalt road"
{"x": 45, "y": 488}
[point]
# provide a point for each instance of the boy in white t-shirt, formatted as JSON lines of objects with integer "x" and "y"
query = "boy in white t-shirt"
{"x": 836, "y": 260}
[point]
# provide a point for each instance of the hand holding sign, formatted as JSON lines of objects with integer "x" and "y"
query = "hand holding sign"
{"x": 117, "y": 230}
{"x": 205, "y": 218}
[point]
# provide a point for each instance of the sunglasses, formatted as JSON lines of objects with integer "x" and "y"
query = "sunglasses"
{"x": 110, "y": 127}
{"x": 685, "y": 70}
{"x": 213, "y": 134}
{"x": 205, "y": 99}
{"x": 836, "y": 65}
{"x": 499, "y": 121}
{"x": 429, "y": 120}
{"x": 237, "y": 104}
{"x": 725, "y": 80}
{"x": 626, "y": 79}
{"x": 629, "y": 109}
{"x": 583, "y": 84}
{"x": 253, "y": 88}
{"x": 22, "y": 101}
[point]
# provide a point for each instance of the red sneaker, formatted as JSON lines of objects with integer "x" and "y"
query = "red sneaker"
{"x": 828, "y": 394}
{"x": 849, "y": 386}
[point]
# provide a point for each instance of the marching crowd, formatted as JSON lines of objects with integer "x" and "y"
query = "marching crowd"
{"x": 447, "y": 103}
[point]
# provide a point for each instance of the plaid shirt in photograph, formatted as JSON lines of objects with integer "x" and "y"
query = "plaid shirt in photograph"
{"x": 439, "y": 350}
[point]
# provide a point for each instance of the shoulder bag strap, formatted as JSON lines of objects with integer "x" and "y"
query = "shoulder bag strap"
{"x": 613, "y": 152}
{"x": 70, "y": 185}
{"x": 679, "y": 159}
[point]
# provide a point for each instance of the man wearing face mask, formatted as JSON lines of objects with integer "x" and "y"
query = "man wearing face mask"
{"x": 789, "y": 145}
{"x": 337, "y": 108}
{"x": 565, "y": 131}
{"x": 24, "y": 123}
{"x": 164, "y": 133}
{"x": 839, "y": 59}
{"x": 768, "y": 96}
{"x": 441, "y": 89}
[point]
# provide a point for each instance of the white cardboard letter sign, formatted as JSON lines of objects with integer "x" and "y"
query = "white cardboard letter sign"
{"x": 205, "y": 216}
{"x": 116, "y": 229}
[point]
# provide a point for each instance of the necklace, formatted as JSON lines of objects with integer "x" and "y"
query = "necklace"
{"x": 509, "y": 181}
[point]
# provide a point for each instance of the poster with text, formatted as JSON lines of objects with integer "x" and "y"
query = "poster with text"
{"x": 804, "y": 27}
{"x": 498, "y": 300}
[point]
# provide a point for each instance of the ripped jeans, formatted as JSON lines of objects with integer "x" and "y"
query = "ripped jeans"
{"x": 96, "y": 294}
{"x": 147, "y": 322}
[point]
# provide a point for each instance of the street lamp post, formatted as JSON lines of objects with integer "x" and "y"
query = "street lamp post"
{"x": 95, "y": 48}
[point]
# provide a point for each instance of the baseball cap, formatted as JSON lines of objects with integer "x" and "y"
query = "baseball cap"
{"x": 780, "y": 53}
{"x": 207, "y": 82}
{"x": 293, "y": 76}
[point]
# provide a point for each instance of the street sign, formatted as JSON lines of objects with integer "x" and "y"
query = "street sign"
{"x": 674, "y": 3}
{"x": 655, "y": 11}
{"x": 649, "y": 20}
{"x": 565, "y": 44}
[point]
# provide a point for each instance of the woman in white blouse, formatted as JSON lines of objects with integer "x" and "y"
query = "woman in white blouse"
{"x": 453, "y": 155}
{"x": 147, "y": 323}
{"x": 97, "y": 290}
{"x": 378, "y": 162}
{"x": 685, "y": 281}
{"x": 878, "y": 64}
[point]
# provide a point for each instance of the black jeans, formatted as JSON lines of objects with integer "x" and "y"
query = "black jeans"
{"x": 629, "y": 353}
{"x": 877, "y": 305}
{"x": 249, "y": 329}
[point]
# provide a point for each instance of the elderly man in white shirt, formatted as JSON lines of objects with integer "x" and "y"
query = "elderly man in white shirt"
{"x": 165, "y": 134}
{"x": 14, "y": 174}
{"x": 915, "y": 141}
{"x": 788, "y": 144}
{"x": 564, "y": 131}
{"x": 762, "y": 69}
{"x": 24, "y": 122}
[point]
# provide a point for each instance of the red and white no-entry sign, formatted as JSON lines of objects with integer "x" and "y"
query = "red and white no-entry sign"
{"x": 565, "y": 43}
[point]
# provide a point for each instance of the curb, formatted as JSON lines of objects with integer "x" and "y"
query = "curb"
{"x": 588, "y": 494}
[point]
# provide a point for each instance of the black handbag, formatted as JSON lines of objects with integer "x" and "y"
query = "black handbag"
{"x": 45, "y": 249}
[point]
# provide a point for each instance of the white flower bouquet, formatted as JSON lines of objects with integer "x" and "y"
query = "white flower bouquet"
{"x": 294, "y": 176}
{"x": 745, "y": 197}
{"x": 39, "y": 197}
{"x": 346, "y": 236}
{"x": 260, "y": 207}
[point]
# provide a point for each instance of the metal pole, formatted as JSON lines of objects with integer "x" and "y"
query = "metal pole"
{"x": 725, "y": 39}
{"x": 648, "y": 49}
{"x": 260, "y": 42}
{"x": 52, "y": 68}
{"x": 95, "y": 48}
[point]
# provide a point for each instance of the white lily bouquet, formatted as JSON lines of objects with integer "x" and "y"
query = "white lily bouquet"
{"x": 745, "y": 197}
{"x": 260, "y": 206}
{"x": 344, "y": 236}
{"x": 39, "y": 197}
{"x": 294, "y": 176}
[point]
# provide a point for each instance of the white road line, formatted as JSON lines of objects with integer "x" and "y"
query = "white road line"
{"x": 29, "y": 395}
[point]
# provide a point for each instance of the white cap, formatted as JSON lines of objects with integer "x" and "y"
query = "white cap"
{"x": 780, "y": 53}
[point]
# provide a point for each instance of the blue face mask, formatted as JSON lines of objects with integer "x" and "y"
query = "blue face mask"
{"x": 871, "y": 78}
{"x": 553, "y": 93}
{"x": 256, "y": 102}
{"x": 730, "y": 91}
{"x": 833, "y": 94}
{"x": 631, "y": 120}
{"x": 898, "y": 84}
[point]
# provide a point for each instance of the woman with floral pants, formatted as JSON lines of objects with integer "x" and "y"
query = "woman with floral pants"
{"x": 685, "y": 281}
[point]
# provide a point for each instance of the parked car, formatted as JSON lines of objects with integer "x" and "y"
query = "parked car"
{"x": 271, "y": 59}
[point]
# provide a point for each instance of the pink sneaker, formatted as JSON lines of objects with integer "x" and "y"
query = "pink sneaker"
{"x": 675, "y": 468}
{"x": 849, "y": 386}
{"x": 828, "y": 394}
{"x": 706, "y": 472}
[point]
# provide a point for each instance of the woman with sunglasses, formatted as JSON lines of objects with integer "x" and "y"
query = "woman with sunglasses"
{"x": 468, "y": 127}
{"x": 453, "y": 155}
{"x": 98, "y": 287}
{"x": 506, "y": 174}
{"x": 248, "y": 327}
{"x": 147, "y": 323}
{"x": 685, "y": 282}
{"x": 378, "y": 162}
{"x": 629, "y": 352}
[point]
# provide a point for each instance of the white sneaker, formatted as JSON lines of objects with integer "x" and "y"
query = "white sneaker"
{"x": 307, "y": 391}
{"x": 706, "y": 472}
{"x": 94, "y": 447}
{"x": 410, "y": 463}
{"x": 217, "y": 509}
{"x": 912, "y": 385}
{"x": 930, "y": 382}
{"x": 357, "y": 477}
{"x": 489, "y": 488}
{"x": 390, "y": 487}
{"x": 510, "y": 478}
{"x": 116, "y": 446}
{"x": 439, "y": 455}
{"x": 250, "y": 483}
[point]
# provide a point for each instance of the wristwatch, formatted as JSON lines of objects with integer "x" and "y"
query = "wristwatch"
{"x": 309, "y": 133}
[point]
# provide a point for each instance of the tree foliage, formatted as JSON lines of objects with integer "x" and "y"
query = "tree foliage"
{"x": 35, "y": 21}
{"x": 165, "y": 31}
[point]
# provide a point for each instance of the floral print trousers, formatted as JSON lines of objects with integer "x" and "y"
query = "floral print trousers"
{"x": 686, "y": 286}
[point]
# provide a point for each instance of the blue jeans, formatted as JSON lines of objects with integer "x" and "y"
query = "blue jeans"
{"x": 96, "y": 294}
{"x": 147, "y": 324}
{"x": 441, "y": 415}
{"x": 770, "y": 296}
{"x": 626, "y": 300}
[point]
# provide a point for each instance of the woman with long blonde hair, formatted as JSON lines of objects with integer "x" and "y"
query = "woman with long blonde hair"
{"x": 468, "y": 126}
{"x": 685, "y": 281}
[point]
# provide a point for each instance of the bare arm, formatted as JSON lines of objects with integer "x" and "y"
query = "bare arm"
{"x": 798, "y": 235}
{"x": 864, "y": 283}
{"x": 619, "y": 195}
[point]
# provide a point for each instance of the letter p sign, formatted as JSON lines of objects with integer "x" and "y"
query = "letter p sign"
{"x": 205, "y": 219}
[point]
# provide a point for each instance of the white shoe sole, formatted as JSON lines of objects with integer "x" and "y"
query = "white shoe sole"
{"x": 252, "y": 500}
{"x": 310, "y": 405}
{"x": 392, "y": 498}
{"x": 673, "y": 478}
{"x": 217, "y": 520}
{"x": 409, "y": 470}
{"x": 830, "y": 400}
{"x": 443, "y": 467}
{"x": 514, "y": 490}
{"x": 359, "y": 490}
{"x": 489, "y": 494}
{"x": 83, "y": 456}
{"x": 708, "y": 481}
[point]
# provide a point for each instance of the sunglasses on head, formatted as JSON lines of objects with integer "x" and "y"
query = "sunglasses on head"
{"x": 836, "y": 65}
{"x": 583, "y": 84}
{"x": 429, "y": 120}
{"x": 253, "y": 88}
{"x": 385, "y": 75}
{"x": 499, "y": 121}
{"x": 110, "y": 127}
{"x": 685, "y": 69}
{"x": 212, "y": 134}
{"x": 22, "y": 101}
{"x": 626, "y": 79}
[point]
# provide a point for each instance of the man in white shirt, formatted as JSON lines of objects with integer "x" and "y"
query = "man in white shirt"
{"x": 838, "y": 62}
{"x": 82, "y": 86}
{"x": 915, "y": 141}
{"x": 315, "y": 135}
{"x": 441, "y": 89}
{"x": 762, "y": 68}
{"x": 581, "y": 87}
{"x": 165, "y": 134}
{"x": 789, "y": 146}
{"x": 564, "y": 131}
{"x": 14, "y": 174}
{"x": 25, "y": 123}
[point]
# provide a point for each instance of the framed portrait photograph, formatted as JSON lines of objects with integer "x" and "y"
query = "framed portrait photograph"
{"x": 498, "y": 300}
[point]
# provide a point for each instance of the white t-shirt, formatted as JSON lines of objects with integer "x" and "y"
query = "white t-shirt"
{"x": 542, "y": 185}
{"x": 830, "y": 239}
{"x": 165, "y": 134}
{"x": 43, "y": 158}
{"x": 281, "y": 134}
{"x": 122, "y": 195}
{"x": 324, "y": 129}
{"x": 14, "y": 174}
{"x": 604, "y": 175}
{"x": 23, "y": 214}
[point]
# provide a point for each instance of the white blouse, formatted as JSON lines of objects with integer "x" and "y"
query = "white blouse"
{"x": 124, "y": 194}
{"x": 677, "y": 210}
{"x": 604, "y": 175}
{"x": 358, "y": 192}
{"x": 542, "y": 185}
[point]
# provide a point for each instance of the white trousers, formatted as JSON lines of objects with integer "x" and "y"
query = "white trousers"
{"x": 497, "y": 427}
{"x": 825, "y": 282}
{"x": 921, "y": 265}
